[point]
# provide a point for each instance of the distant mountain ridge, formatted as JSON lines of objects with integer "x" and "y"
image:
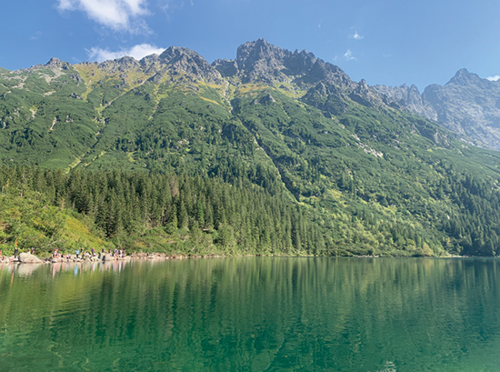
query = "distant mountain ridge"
{"x": 467, "y": 104}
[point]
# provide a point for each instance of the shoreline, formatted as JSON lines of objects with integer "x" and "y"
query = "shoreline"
{"x": 34, "y": 260}
{"x": 164, "y": 257}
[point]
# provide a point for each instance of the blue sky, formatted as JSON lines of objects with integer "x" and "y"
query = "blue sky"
{"x": 387, "y": 42}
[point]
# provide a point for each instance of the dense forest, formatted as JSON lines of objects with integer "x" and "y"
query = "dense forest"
{"x": 280, "y": 154}
{"x": 140, "y": 212}
{"x": 192, "y": 215}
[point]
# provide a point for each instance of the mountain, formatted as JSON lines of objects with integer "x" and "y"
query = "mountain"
{"x": 466, "y": 104}
{"x": 333, "y": 154}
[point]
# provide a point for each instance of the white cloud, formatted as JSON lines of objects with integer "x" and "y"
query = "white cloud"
{"x": 171, "y": 6}
{"x": 119, "y": 15}
{"x": 36, "y": 36}
{"x": 138, "y": 52}
{"x": 348, "y": 56}
{"x": 494, "y": 78}
{"x": 357, "y": 36}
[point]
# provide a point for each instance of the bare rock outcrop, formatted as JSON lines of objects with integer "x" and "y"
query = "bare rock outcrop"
{"x": 467, "y": 105}
{"x": 29, "y": 258}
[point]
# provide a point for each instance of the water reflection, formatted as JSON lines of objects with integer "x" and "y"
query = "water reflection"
{"x": 79, "y": 268}
{"x": 63, "y": 267}
{"x": 253, "y": 314}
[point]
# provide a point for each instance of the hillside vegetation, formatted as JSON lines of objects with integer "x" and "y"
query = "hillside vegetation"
{"x": 280, "y": 152}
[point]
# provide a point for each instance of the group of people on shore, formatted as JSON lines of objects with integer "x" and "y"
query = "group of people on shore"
{"x": 90, "y": 255}
{"x": 15, "y": 257}
{"x": 80, "y": 255}
{"x": 16, "y": 254}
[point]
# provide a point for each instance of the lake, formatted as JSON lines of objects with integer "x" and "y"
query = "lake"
{"x": 253, "y": 314}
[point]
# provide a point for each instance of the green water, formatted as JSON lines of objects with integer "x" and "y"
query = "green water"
{"x": 253, "y": 314}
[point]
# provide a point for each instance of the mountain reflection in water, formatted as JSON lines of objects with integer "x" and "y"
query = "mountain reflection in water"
{"x": 254, "y": 314}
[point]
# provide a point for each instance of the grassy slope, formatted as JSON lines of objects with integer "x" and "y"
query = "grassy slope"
{"x": 356, "y": 172}
{"x": 27, "y": 218}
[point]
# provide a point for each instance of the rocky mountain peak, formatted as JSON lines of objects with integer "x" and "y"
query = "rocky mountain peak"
{"x": 121, "y": 64}
{"x": 407, "y": 97}
{"x": 127, "y": 62}
{"x": 300, "y": 62}
{"x": 414, "y": 89}
{"x": 465, "y": 78}
{"x": 190, "y": 62}
{"x": 467, "y": 104}
{"x": 254, "y": 51}
{"x": 150, "y": 64}
{"x": 260, "y": 60}
{"x": 54, "y": 63}
{"x": 175, "y": 53}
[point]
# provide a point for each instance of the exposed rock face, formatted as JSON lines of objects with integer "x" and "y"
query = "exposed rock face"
{"x": 328, "y": 98}
{"x": 260, "y": 61}
{"x": 54, "y": 63}
{"x": 226, "y": 68}
{"x": 119, "y": 65}
{"x": 174, "y": 60}
{"x": 328, "y": 73}
{"x": 328, "y": 86}
{"x": 190, "y": 62}
{"x": 29, "y": 258}
{"x": 466, "y": 104}
{"x": 365, "y": 96}
{"x": 407, "y": 97}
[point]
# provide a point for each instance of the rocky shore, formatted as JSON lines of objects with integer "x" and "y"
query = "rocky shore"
{"x": 28, "y": 258}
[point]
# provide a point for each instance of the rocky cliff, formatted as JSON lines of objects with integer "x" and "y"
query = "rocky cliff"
{"x": 467, "y": 104}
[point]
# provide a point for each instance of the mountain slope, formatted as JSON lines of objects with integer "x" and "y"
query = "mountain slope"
{"x": 375, "y": 179}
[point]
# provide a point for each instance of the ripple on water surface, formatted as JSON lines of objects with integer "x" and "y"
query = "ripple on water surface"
{"x": 252, "y": 314}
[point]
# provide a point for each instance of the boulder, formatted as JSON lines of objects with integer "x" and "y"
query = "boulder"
{"x": 29, "y": 258}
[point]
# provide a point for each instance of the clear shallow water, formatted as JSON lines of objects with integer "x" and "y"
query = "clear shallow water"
{"x": 253, "y": 314}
